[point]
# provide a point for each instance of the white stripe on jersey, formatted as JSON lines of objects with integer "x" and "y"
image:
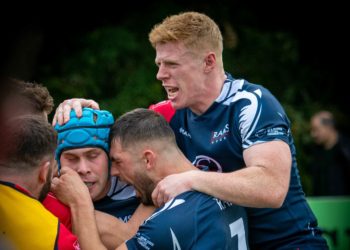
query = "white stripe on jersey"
{"x": 176, "y": 244}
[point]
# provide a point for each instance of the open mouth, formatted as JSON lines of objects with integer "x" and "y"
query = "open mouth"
{"x": 172, "y": 92}
{"x": 89, "y": 184}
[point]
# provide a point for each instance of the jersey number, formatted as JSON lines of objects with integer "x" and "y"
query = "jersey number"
{"x": 237, "y": 228}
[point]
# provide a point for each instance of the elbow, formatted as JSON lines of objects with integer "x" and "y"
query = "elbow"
{"x": 273, "y": 197}
{"x": 277, "y": 200}
{"x": 278, "y": 196}
{"x": 279, "y": 191}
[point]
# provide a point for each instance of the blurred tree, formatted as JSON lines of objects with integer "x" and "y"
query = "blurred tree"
{"x": 112, "y": 66}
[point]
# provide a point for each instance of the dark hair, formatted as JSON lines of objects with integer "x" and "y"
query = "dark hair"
{"x": 26, "y": 141}
{"x": 326, "y": 118}
{"x": 328, "y": 122}
{"x": 33, "y": 97}
{"x": 141, "y": 125}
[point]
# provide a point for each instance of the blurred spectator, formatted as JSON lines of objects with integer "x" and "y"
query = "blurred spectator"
{"x": 330, "y": 157}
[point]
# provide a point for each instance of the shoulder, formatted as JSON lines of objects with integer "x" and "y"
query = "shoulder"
{"x": 254, "y": 100}
{"x": 197, "y": 202}
{"x": 240, "y": 93}
{"x": 344, "y": 140}
{"x": 257, "y": 89}
{"x": 344, "y": 144}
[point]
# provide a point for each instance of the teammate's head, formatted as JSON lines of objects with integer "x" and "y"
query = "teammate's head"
{"x": 196, "y": 31}
{"x": 83, "y": 146}
{"x": 189, "y": 59}
{"x": 20, "y": 97}
{"x": 27, "y": 146}
{"x": 141, "y": 140}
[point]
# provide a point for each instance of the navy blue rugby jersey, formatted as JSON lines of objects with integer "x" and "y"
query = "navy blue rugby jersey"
{"x": 193, "y": 220}
{"x": 245, "y": 114}
{"x": 120, "y": 201}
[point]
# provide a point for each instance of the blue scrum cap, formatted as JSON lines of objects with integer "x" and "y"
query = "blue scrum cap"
{"x": 90, "y": 130}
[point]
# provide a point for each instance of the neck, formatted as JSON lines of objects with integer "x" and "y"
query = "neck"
{"x": 333, "y": 139}
{"x": 214, "y": 84}
{"x": 175, "y": 165}
{"x": 104, "y": 191}
{"x": 23, "y": 182}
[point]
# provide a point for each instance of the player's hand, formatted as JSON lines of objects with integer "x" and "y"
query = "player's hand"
{"x": 69, "y": 188}
{"x": 62, "y": 113}
{"x": 171, "y": 186}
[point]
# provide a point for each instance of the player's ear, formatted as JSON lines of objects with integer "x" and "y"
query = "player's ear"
{"x": 149, "y": 157}
{"x": 43, "y": 171}
{"x": 210, "y": 62}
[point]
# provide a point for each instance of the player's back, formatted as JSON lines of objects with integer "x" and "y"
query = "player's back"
{"x": 193, "y": 220}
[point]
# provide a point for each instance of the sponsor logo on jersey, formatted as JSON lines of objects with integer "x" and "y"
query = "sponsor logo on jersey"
{"x": 144, "y": 241}
{"x": 76, "y": 245}
{"x": 218, "y": 136}
{"x": 207, "y": 163}
{"x": 125, "y": 218}
{"x": 222, "y": 204}
{"x": 277, "y": 131}
{"x": 185, "y": 133}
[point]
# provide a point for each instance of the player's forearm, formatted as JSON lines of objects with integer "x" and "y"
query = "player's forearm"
{"x": 250, "y": 187}
{"x": 84, "y": 226}
{"x": 113, "y": 232}
{"x": 140, "y": 215}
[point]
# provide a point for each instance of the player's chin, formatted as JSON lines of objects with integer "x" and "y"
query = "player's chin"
{"x": 177, "y": 105}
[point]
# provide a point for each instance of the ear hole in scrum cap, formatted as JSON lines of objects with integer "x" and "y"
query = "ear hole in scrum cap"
{"x": 90, "y": 130}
